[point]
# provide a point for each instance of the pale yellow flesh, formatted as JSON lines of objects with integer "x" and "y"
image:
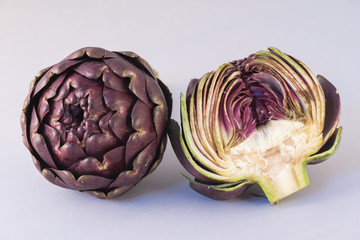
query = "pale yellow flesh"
{"x": 274, "y": 156}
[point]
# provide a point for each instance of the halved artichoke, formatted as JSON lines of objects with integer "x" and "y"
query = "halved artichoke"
{"x": 258, "y": 120}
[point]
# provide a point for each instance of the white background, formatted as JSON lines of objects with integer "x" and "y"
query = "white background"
{"x": 181, "y": 40}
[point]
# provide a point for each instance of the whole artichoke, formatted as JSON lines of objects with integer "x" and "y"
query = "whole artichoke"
{"x": 258, "y": 120}
{"x": 96, "y": 121}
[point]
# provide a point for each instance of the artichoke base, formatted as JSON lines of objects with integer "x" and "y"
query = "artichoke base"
{"x": 291, "y": 179}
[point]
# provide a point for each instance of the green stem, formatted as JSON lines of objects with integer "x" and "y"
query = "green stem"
{"x": 290, "y": 180}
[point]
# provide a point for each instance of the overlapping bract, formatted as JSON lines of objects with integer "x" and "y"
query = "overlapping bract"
{"x": 96, "y": 121}
{"x": 243, "y": 99}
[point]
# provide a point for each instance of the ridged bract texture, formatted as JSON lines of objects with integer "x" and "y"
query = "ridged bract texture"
{"x": 96, "y": 121}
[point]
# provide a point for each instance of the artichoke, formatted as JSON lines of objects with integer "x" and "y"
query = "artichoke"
{"x": 96, "y": 121}
{"x": 259, "y": 120}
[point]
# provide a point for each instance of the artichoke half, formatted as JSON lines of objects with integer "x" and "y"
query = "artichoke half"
{"x": 96, "y": 121}
{"x": 258, "y": 120}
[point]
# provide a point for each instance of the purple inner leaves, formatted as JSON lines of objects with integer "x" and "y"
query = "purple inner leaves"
{"x": 249, "y": 101}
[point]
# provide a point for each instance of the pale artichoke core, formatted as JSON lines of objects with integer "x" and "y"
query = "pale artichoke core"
{"x": 272, "y": 147}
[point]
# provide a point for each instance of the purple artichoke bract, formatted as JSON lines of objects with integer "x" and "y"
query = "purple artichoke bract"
{"x": 257, "y": 120}
{"x": 96, "y": 121}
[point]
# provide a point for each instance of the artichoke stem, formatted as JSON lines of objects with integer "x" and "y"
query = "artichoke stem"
{"x": 290, "y": 180}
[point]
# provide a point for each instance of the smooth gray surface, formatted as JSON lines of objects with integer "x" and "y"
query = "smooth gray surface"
{"x": 181, "y": 40}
